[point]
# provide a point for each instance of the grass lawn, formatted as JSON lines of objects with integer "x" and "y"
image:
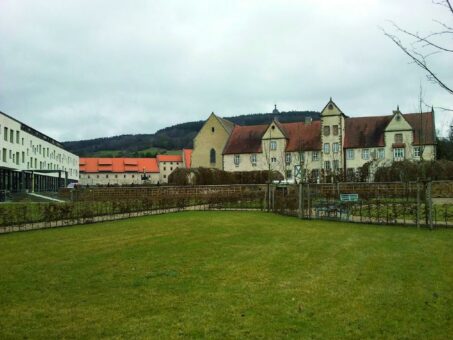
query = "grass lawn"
{"x": 226, "y": 274}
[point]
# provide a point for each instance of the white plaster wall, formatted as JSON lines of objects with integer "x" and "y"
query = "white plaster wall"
{"x": 33, "y": 153}
{"x": 121, "y": 178}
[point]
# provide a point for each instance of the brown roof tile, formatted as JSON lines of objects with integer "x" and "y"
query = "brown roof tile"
{"x": 365, "y": 132}
{"x": 245, "y": 139}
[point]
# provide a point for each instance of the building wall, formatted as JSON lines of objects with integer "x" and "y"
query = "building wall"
{"x": 332, "y": 117}
{"x": 121, "y": 178}
{"x": 27, "y": 151}
{"x": 208, "y": 139}
{"x": 166, "y": 168}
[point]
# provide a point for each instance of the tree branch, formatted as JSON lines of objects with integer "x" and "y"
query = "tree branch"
{"x": 420, "y": 61}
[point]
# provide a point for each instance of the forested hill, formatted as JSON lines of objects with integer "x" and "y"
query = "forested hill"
{"x": 174, "y": 137}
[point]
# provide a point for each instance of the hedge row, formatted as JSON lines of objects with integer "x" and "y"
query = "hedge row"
{"x": 205, "y": 176}
{"x": 411, "y": 171}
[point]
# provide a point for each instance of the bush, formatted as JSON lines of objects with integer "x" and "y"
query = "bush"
{"x": 410, "y": 171}
{"x": 205, "y": 176}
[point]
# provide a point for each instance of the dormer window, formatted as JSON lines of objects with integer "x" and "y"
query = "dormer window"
{"x": 398, "y": 137}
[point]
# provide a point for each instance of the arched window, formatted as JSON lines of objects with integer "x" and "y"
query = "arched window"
{"x": 212, "y": 156}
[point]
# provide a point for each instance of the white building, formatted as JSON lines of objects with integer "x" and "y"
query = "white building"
{"x": 30, "y": 160}
{"x": 335, "y": 145}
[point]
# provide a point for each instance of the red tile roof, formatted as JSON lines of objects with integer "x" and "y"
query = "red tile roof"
{"x": 365, "y": 132}
{"x": 187, "y": 153}
{"x": 169, "y": 158}
{"x": 245, "y": 139}
{"x": 300, "y": 136}
{"x": 303, "y": 136}
{"x": 426, "y": 120}
{"x": 361, "y": 132}
{"x": 94, "y": 165}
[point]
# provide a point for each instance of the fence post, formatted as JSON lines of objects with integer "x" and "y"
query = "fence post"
{"x": 430, "y": 204}
{"x": 301, "y": 199}
{"x": 308, "y": 200}
{"x": 418, "y": 203}
{"x": 268, "y": 197}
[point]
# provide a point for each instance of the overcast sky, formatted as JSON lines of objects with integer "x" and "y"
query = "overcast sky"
{"x": 85, "y": 69}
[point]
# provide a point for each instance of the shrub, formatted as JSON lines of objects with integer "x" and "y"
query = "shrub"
{"x": 205, "y": 176}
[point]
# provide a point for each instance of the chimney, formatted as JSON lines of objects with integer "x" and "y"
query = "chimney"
{"x": 308, "y": 120}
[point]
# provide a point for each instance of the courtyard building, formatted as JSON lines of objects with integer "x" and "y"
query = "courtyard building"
{"x": 317, "y": 150}
{"x": 32, "y": 161}
{"x": 131, "y": 171}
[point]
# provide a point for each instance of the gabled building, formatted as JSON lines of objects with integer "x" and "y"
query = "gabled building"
{"x": 210, "y": 141}
{"x": 317, "y": 149}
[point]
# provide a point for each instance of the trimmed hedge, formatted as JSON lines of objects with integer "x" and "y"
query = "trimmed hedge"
{"x": 205, "y": 176}
{"x": 409, "y": 171}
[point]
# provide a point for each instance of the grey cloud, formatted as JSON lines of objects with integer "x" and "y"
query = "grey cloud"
{"x": 82, "y": 69}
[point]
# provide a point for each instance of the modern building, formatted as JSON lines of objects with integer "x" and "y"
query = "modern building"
{"x": 316, "y": 150}
{"x": 131, "y": 171}
{"x": 32, "y": 161}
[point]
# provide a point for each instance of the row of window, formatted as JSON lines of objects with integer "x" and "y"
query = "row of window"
{"x": 366, "y": 154}
{"x": 44, "y": 151}
{"x": 19, "y": 158}
{"x": 326, "y": 130}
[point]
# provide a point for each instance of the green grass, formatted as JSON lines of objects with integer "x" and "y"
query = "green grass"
{"x": 226, "y": 275}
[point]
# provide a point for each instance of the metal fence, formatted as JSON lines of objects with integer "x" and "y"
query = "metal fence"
{"x": 410, "y": 203}
{"x": 382, "y": 203}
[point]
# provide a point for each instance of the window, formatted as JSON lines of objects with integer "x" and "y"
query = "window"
{"x": 17, "y": 137}
{"x": 417, "y": 151}
{"x": 253, "y": 159}
{"x": 398, "y": 153}
{"x": 212, "y": 156}
{"x": 327, "y": 165}
{"x": 273, "y": 145}
{"x": 171, "y": 168}
{"x": 335, "y": 130}
{"x": 326, "y": 148}
{"x": 301, "y": 156}
{"x": 11, "y": 136}
{"x": 315, "y": 156}
{"x": 237, "y": 159}
{"x": 288, "y": 158}
{"x": 350, "y": 154}
{"x": 5, "y": 134}
{"x": 326, "y": 130}
{"x": 165, "y": 168}
{"x": 365, "y": 154}
{"x": 289, "y": 173}
{"x": 398, "y": 137}
{"x": 336, "y": 164}
{"x": 4, "y": 155}
{"x": 213, "y": 129}
{"x": 274, "y": 160}
{"x": 381, "y": 153}
{"x": 116, "y": 176}
{"x": 106, "y": 176}
{"x": 335, "y": 147}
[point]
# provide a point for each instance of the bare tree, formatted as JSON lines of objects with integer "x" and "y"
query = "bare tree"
{"x": 423, "y": 46}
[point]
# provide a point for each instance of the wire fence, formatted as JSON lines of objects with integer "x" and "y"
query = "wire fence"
{"x": 382, "y": 203}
